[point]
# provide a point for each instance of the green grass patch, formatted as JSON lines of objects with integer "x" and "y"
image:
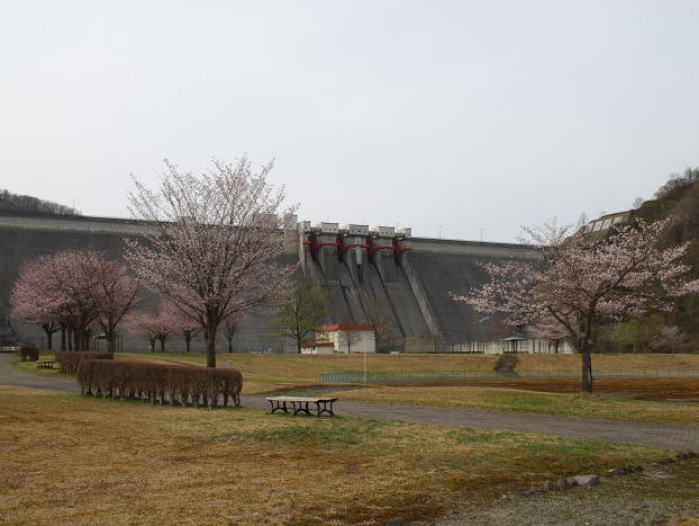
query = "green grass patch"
{"x": 31, "y": 367}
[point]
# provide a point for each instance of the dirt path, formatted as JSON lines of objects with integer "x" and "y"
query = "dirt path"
{"x": 641, "y": 433}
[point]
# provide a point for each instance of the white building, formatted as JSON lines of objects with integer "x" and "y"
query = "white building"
{"x": 343, "y": 339}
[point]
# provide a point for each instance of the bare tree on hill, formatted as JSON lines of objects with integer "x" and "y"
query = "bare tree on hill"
{"x": 27, "y": 203}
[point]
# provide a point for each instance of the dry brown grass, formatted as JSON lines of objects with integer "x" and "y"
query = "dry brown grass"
{"x": 269, "y": 372}
{"x": 645, "y": 389}
{"x": 69, "y": 460}
{"x": 640, "y": 363}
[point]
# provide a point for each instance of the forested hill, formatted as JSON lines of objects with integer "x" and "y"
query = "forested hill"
{"x": 680, "y": 196}
{"x": 27, "y": 203}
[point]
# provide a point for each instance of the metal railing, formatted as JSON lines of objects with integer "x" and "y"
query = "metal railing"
{"x": 438, "y": 376}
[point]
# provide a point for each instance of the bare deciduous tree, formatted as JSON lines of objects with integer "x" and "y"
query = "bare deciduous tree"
{"x": 230, "y": 328}
{"x": 301, "y": 311}
{"x": 379, "y": 319}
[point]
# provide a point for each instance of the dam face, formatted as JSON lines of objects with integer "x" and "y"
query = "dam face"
{"x": 373, "y": 276}
{"x": 410, "y": 281}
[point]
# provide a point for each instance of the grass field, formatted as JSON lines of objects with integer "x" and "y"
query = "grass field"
{"x": 276, "y": 371}
{"x": 640, "y": 399}
{"x": 270, "y": 371}
{"x": 673, "y": 389}
{"x": 510, "y": 399}
{"x": 71, "y": 460}
{"x": 32, "y": 368}
{"x": 266, "y": 372}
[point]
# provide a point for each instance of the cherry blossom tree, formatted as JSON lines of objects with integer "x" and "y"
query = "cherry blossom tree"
{"x": 57, "y": 288}
{"x": 29, "y": 300}
{"x": 113, "y": 291}
{"x": 584, "y": 280}
{"x": 75, "y": 290}
{"x": 212, "y": 242}
{"x": 188, "y": 335}
{"x": 668, "y": 336}
{"x": 154, "y": 326}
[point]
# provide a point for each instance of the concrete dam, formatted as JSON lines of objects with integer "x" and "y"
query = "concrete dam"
{"x": 372, "y": 275}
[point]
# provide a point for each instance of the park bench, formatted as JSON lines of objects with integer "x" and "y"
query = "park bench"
{"x": 46, "y": 364}
{"x": 301, "y": 404}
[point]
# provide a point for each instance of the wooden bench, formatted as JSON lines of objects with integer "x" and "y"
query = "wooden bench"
{"x": 46, "y": 364}
{"x": 302, "y": 404}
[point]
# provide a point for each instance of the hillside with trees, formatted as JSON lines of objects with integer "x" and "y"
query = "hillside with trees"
{"x": 27, "y": 203}
{"x": 679, "y": 197}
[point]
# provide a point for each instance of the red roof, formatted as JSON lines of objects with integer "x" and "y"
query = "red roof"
{"x": 340, "y": 327}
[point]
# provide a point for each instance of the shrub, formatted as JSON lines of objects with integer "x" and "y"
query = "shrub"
{"x": 70, "y": 360}
{"x": 154, "y": 382}
{"x": 28, "y": 353}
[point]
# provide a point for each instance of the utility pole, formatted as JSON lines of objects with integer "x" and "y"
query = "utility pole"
{"x": 365, "y": 375}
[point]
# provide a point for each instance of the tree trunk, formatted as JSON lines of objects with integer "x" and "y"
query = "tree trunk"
{"x": 152, "y": 345}
{"x": 63, "y": 338}
{"x": 230, "y": 346}
{"x": 187, "y": 342}
{"x": 211, "y": 348}
{"x": 111, "y": 336}
{"x": 298, "y": 345}
{"x": 49, "y": 338}
{"x": 162, "y": 344}
{"x": 586, "y": 371}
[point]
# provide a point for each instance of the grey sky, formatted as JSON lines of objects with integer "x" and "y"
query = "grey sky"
{"x": 468, "y": 115}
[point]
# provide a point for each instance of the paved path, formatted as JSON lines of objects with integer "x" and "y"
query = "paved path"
{"x": 10, "y": 375}
{"x": 641, "y": 433}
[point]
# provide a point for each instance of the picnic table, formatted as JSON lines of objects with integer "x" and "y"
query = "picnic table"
{"x": 46, "y": 364}
{"x": 302, "y": 404}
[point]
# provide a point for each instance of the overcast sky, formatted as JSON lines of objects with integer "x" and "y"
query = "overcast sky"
{"x": 463, "y": 116}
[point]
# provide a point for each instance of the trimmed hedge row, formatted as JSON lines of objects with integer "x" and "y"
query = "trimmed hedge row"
{"x": 28, "y": 353}
{"x": 155, "y": 382}
{"x": 70, "y": 360}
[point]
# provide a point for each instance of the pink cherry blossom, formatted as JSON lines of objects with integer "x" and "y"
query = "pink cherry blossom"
{"x": 584, "y": 280}
{"x": 77, "y": 289}
{"x": 158, "y": 325}
{"x": 212, "y": 242}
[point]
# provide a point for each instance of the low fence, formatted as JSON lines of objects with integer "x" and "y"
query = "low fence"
{"x": 444, "y": 376}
